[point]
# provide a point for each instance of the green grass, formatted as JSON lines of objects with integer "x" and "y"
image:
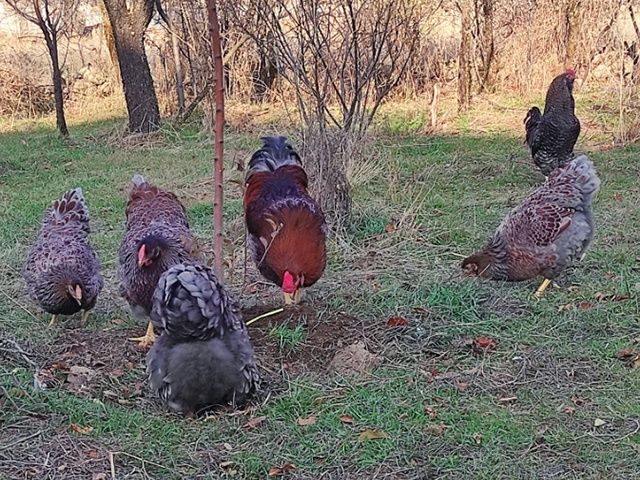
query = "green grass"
{"x": 523, "y": 410}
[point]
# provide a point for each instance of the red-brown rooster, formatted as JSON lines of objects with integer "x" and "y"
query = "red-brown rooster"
{"x": 552, "y": 135}
{"x": 544, "y": 234}
{"x": 157, "y": 236}
{"x": 287, "y": 229}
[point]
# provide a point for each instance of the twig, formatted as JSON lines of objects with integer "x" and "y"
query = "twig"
{"x": 265, "y": 315}
{"x": 16, "y": 349}
{"x": 20, "y": 440}
{"x": 113, "y": 466}
{"x": 19, "y": 304}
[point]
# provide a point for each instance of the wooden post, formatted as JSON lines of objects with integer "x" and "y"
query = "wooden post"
{"x": 218, "y": 82}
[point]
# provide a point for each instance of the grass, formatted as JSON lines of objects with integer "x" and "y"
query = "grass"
{"x": 525, "y": 409}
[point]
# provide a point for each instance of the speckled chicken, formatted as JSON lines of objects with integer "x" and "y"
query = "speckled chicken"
{"x": 62, "y": 270}
{"x": 204, "y": 356}
{"x": 544, "y": 234}
{"x": 157, "y": 236}
{"x": 551, "y": 136}
{"x": 287, "y": 229}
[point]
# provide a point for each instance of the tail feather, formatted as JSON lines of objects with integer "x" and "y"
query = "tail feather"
{"x": 72, "y": 203}
{"x": 138, "y": 180}
{"x": 275, "y": 153}
{"x": 582, "y": 173}
{"x": 531, "y": 123}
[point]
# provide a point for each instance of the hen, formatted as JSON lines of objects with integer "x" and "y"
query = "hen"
{"x": 552, "y": 135}
{"x": 544, "y": 234}
{"x": 157, "y": 236}
{"x": 62, "y": 270}
{"x": 287, "y": 229}
{"x": 204, "y": 356}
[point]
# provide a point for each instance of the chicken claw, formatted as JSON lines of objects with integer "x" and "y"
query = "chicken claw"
{"x": 84, "y": 317}
{"x": 147, "y": 339}
{"x": 542, "y": 288}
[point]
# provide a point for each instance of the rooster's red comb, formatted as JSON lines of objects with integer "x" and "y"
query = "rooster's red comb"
{"x": 570, "y": 73}
{"x": 288, "y": 285}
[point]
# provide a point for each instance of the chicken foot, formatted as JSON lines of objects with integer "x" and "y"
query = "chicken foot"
{"x": 542, "y": 288}
{"x": 84, "y": 317}
{"x": 147, "y": 339}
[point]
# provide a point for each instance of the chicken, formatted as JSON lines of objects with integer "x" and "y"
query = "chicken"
{"x": 204, "y": 356}
{"x": 287, "y": 229}
{"x": 62, "y": 270}
{"x": 552, "y": 136}
{"x": 544, "y": 234}
{"x": 157, "y": 236}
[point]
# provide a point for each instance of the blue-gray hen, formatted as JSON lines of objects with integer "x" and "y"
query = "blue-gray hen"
{"x": 204, "y": 356}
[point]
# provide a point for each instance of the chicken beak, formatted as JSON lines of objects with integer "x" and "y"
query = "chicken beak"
{"x": 141, "y": 256}
{"x": 293, "y": 298}
{"x": 76, "y": 293}
{"x": 288, "y": 298}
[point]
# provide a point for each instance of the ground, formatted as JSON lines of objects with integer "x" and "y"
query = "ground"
{"x": 466, "y": 378}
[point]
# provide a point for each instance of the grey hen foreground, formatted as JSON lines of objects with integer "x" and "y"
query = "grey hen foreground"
{"x": 62, "y": 271}
{"x": 204, "y": 356}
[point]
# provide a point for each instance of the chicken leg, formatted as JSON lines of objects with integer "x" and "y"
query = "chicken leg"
{"x": 147, "y": 340}
{"x": 53, "y": 320}
{"x": 542, "y": 288}
{"x": 84, "y": 317}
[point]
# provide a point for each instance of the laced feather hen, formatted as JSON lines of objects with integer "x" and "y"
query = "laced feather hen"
{"x": 552, "y": 135}
{"x": 62, "y": 259}
{"x": 287, "y": 228}
{"x": 204, "y": 356}
{"x": 156, "y": 218}
{"x": 543, "y": 235}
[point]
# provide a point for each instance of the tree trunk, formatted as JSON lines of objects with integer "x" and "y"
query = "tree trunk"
{"x": 61, "y": 122}
{"x": 129, "y": 26}
{"x": 176, "y": 60}
{"x": 464, "y": 58}
{"x": 573, "y": 19}
{"x": 218, "y": 159}
{"x": 487, "y": 44}
{"x": 108, "y": 37}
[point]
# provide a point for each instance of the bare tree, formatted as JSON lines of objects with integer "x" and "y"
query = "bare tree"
{"x": 129, "y": 21}
{"x": 347, "y": 54}
{"x": 53, "y": 18}
{"x": 218, "y": 159}
{"x": 464, "y": 56}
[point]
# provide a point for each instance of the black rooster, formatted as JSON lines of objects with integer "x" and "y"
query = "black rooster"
{"x": 551, "y": 136}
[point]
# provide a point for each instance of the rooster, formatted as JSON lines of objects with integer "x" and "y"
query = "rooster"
{"x": 62, "y": 270}
{"x": 544, "y": 234}
{"x": 157, "y": 236}
{"x": 287, "y": 229}
{"x": 552, "y": 136}
{"x": 204, "y": 356}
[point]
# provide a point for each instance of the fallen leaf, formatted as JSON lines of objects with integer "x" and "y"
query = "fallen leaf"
{"x": 254, "y": 422}
{"x": 92, "y": 454}
{"x": 507, "y": 399}
{"x": 346, "y": 418}
{"x": 74, "y": 427}
{"x": 579, "y": 402}
{"x": 477, "y": 437}
{"x": 80, "y": 375}
{"x": 354, "y": 359}
{"x": 629, "y": 356}
{"x": 611, "y": 297}
{"x": 584, "y": 305}
{"x": 99, "y": 476}
{"x": 117, "y": 321}
{"x": 397, "y": 322}
{"x": 436, "y": 429}
{"x": 483, "y": 344}
{"x": 390, "y": 228}
{"x": 287, "y": 467}
{"x": 598, "y": 422}
{"x": 311, "y": 420}
{"x": 461, "y": 386}
{"x": 431, "y": 412}
{"x": 116, "y": 372}
{"x": 225, "y": 465}
{"x": 371, "y": 435}
{"x": 227, "y": 446}
{"x": 569, "y": 410}
{"x": 617, "y": 197}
